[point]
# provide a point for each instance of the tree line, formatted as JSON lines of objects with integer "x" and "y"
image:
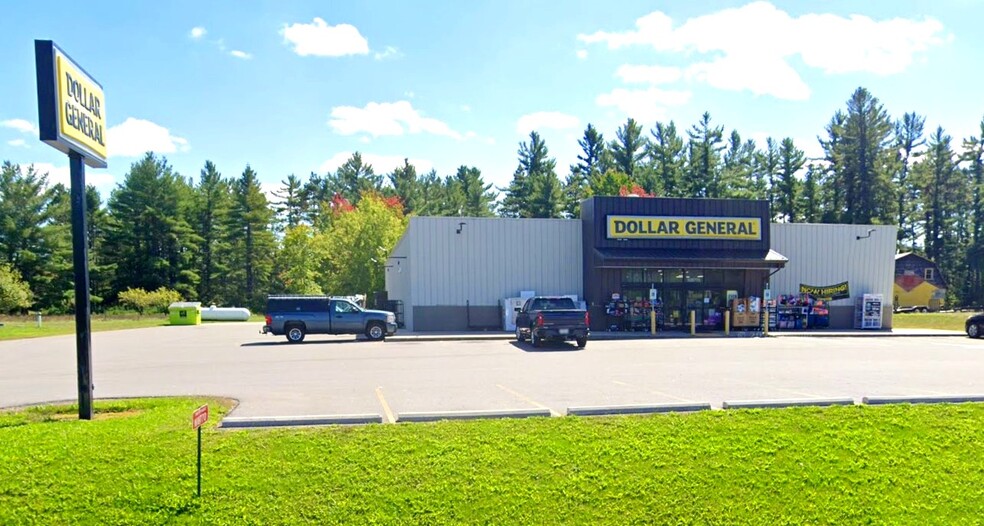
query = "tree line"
{"x": 220, "y": 240}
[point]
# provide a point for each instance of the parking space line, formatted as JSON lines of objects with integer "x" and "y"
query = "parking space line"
{"x": 527, "y": 399}
{"x": 780, "y": 389}
{"x": 387, "y": 412}
{"x": 657, "y": 393}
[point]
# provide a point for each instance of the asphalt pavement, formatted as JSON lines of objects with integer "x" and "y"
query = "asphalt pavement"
{"x": 331, "y": 375}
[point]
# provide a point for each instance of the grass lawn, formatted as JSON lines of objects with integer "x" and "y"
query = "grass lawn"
{"x": 844, "y": 465}
{"x": 19, "y": 327}
{"x": 953, "y": 321}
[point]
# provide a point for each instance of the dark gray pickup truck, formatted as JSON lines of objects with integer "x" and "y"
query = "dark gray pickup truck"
{"x": 297, "y": 316}
{"x": 552, "y": 318}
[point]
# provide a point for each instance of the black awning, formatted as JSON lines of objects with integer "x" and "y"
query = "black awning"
{"x": 633, "y": 258}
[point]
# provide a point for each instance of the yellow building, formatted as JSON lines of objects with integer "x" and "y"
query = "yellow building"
{"x": 919, "y": 284}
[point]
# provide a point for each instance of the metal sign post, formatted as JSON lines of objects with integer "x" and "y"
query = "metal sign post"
{"x": 199, "y": 417}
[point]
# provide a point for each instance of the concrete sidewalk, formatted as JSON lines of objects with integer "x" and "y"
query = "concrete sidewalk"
{"x": 605, "y": 335}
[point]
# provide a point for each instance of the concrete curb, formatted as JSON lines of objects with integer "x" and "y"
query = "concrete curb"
{"x": 796, "y": 402}
{"x": 471, "y": 415}
{"x": 641, "y": 409}
{"x": 293, "y": 421}
{"x": 867, "y": 335}
{"x": 943, "y": 399}
{"x": 682, "y": 336}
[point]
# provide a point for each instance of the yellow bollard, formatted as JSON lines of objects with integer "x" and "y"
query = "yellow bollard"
{"x": 727, "y": 322}
{"x": 693, "y": 323}
{"x": 765, "y": 328}
{"x": 652, "y": 321}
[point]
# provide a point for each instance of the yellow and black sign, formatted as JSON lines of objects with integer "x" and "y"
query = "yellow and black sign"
{"x": 71, "y": 105}
{"x": 683, "y": 227}
{"x": 830, "y": 292}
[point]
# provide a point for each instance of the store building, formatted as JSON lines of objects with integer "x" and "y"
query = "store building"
{"x": 697, "y": 255}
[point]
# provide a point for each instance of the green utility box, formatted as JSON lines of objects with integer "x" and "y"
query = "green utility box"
{"x": 185, "y": 313}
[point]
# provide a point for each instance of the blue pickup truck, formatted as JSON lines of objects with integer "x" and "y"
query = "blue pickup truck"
{"x": 298, "y": 316}
{"x": 545, "y": 318}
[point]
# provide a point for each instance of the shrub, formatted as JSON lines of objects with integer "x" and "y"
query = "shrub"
{"x": 143, "y": 301}
{"x": 14, "y": 293}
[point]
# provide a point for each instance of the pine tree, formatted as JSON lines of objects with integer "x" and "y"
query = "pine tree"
{"x": 908, "y": 140}
{"x": 629, "y": 149}
{"x": 32, "y": 240}
{"x": 534, "y": 190}
{"x": 767, "y": 172}
{"x": 575, "y": 190}
{"x": 704, "y": 158}
{"x": 355, "y": 178}
{"x": 864, "y": 156}
{"x": 791, "y": 160}
{"x": 737, "y": 180}
{"x": 150, "y": 240}
{"x": 666, "y": 156}
{"x": 406, "y": 186}
{"x": 592, "y": 150}
{"x": 477, "y": 197}
{"x": 832, "y": 187}
{"x": 290, "y": 206}
{"x": 251, "y": 221}
{"x": 210, "y": 213}
{"x": 810, "y": 198}
{"x": 973, "y": 155}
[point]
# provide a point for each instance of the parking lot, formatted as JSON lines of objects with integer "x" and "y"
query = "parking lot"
{"x": 337, "y": 375}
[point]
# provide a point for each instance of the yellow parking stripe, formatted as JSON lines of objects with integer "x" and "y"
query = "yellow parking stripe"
{"x": 387, "y": 412}
{"x": 527, "y": 399}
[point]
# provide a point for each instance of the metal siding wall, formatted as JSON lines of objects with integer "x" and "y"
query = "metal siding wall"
{"x": 399, "y": 280}
{"x": 829, "y": 254}
{"x": 493, "y": 258}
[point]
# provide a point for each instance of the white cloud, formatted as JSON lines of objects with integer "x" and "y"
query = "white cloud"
{"x": 381, "y": 164}
{"x": 546, "y": 120}
{"x": 17, "y": 143}
{"x": 389, "y": 52}
{"x": 750, "y": 47}
{"x": 646, "y": 105}
{"x": 240, "y": 54}
{"x": 20, "y": 125}
{"x": 582, "y": 54}
{"x": 648, "y": 74}
{"x": 322, "y": 40}
{"x": 134, "y": 137}
{"x": 62, "y": 174}
{"x": 197, "y": 32}
{"x": 386, "y": 118}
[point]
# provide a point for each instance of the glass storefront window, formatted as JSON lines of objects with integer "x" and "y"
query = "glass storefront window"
{"x": 714, "y": 277}
{"x": 654, "y": 276}
{"x": 695, "y": 276}
{"x": 673, "y": 275}
{"x": 632, "y": 275}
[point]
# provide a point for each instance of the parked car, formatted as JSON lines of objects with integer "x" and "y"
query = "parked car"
{"x": 975, "y": 325}
{"x": 544, "y": 318}
{"x": 297, "y": 316}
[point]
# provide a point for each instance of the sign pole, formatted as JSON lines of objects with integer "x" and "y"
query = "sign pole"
{"x": 199, "y": 461}
{"x": 80, "y": 245}
{"x": 198, "y": 418}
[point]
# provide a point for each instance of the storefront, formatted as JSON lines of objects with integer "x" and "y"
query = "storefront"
{"x": 679, "y": 255}
{"x": 692, "y": 255}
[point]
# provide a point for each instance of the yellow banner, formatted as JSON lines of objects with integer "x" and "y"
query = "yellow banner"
{"x": 670, "y": 227}
{"x": 81, "y": 107}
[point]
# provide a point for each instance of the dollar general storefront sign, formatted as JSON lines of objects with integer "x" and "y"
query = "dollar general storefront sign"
{"x": 670, "y": 227}
{"x": 71, "y": 105}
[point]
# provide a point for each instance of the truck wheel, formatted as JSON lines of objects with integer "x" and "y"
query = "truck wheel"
{"x": 581, "y": 342}
{"x": 295, "y": 333}
{"x": 537, "y": 342}
{"x": 519, "y": 335}
{"x": 376, "y": 332}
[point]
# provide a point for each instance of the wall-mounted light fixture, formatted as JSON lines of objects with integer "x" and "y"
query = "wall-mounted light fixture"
{"x": 460, "y": 226}
{"x": 868, "y": 234}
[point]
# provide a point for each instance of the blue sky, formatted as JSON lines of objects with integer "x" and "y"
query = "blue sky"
{"x": 295, "y": 87}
